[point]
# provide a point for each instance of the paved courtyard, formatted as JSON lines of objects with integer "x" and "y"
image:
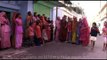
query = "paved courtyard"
{"x": 57, "y": 50}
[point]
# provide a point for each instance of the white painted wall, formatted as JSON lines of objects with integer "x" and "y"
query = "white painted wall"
{"x": 30, "y": 6}
{"x": 63, "y": 11}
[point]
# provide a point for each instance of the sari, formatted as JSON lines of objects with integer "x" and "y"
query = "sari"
{"x": 29, "y": 20}
{"x": 74, "y": 28}
{"x": 63, "y": 30}
{"x": 51, "y": 26}
{"x": 78, "y": 31}
{"x": 84, "y": 32}
{"x": 57, "y": 23}
{"x": 69, "y": 31}
{"x": 19, "y": 33}
{"x": 5, "y": 31}
{"x": 13, "y": 29}
{"x": 48, "y": 31}
{"x": 0, "y": 32}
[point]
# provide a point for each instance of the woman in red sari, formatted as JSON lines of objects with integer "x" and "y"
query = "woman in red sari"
{"x": 63, "y": 30}
{"x": 84, "y": 32}
{"x": 5, "y": 31}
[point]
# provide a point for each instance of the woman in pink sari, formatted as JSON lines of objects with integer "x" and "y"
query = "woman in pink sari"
{"x": 84, "y": 32}
{"x": 5, "y": 31}
{"x": 19, "y": 31}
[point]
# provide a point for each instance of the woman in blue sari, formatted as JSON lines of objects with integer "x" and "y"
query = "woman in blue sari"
{"x": 78, "y": 31}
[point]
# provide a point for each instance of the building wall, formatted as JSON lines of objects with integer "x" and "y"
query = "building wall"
{"x": 30, "y": 6}
{"x": 63, "y": 11}
{"x": 44, "y": 7}
{"x": 21, "y": 6}
{"x": 99, "y": 18}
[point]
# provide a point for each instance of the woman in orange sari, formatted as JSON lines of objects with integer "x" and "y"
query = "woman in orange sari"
{"x": 29, "y": 20}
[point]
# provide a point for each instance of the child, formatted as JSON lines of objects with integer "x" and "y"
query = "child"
{"x": 69, "y": 27}
{"x": 31, "y": 34}
{"x": 94, "y": 32}
{"x": 105, "y": 36}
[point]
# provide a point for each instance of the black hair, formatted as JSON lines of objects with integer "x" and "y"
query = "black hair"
{"x": 35, "y": 13}
{"x": 37, "y": 22}
{"x": 29, "y": 13}
{"x": 95, "y": 23}
{"x": 31, "y": 23}
{"x": 43, "y": 14}
{"x": 17, "y": 15}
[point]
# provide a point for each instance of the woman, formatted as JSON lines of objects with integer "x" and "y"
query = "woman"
{"x": 19, "y": 31}
{"x": 52, "y": 27}
{"x": 5, "y": 31}
{"x": 13, "y": 29}
{"x": 57, "y": 24}
{"x": 78, "y": 31}
{"x": 29, "y": 20}
{"x": 35, "y": 17}
{"x": 38, "y": 34}
{"x": 31, "y": 34}
{"x": 0, "y": 32}
{"x": 74, "y": 28}
{"x": 63, "y": 30}
{"x": 84, "y": 32}
{"x": 48, "y": 30}
{"x": 69, "y": 30}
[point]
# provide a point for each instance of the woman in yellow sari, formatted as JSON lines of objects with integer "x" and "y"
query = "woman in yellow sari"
{"x": 74, "y": 28}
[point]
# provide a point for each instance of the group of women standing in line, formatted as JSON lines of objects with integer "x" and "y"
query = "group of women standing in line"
{"x": 38, "y": 30}
{"x": 72, "y": 31}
